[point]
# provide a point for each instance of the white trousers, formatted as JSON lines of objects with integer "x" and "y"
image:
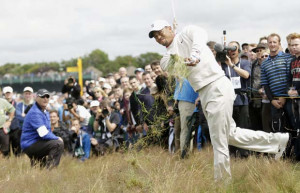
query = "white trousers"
{"x": 217, "y": 102}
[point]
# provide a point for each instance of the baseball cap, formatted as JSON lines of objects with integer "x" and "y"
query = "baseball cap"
{"x": 102, "y": 79}
{"x": 263, "y": 46}
{"x": 7, "y": 89}
{"x": 157, "y": 25}
{"x": 109, "y": 75}
{"x": 139, "y": 70}
{"x": 42, "y": 92}
{"x": 94, "y": 104}
{"x": 28, "y": 88}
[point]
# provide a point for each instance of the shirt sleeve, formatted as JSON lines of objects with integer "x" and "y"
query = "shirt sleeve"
{"x": 115, "y": 119}
{"x": 199, "y": 38}
{"x": 41, "y": 127}
{"x": 9, "y": 107}
{"x": 245, "y": 65}
{"x": 164, "y": 62}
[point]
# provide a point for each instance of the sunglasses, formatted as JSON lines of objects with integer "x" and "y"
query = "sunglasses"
{"x": 264, "y": 56}
{"x": 45, "y": 96}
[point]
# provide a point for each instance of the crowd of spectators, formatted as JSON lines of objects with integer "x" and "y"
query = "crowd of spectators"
{"x": 117, "y": 111}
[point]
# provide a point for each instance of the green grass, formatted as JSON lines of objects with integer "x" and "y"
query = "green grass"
{"x": 150, "y": 170}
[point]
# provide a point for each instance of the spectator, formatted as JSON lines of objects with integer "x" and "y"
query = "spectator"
{"x": 79, "y": 112}
{"x": 153, "y": 75}
{"x": 101, "y": 81}
{"x": 135, "y": 107}
{"x": 245, "y": 47}
{"x": 255, "y": 104}
{"x": 294, "y": 84}
{"x": 94, "y": 108}
{"x": 117, "y": 77}
{"x": 98, "y": 94}
{"x": 238, "y": 71}
{"x": 82, "y": 141}
{"x": 111, "y": 81}
{"x": 14, "y": 129}
{"x": 266, "y": 105}
{"x": 138, "y": 74}
{"x": 107, "y": 130}
{"x": 123, "y": 72}
{"x": 37, "y": 139}
{"x": 106, "y": 88}
{"x": 148, "y": 68}
{"x": 288, "y": 39}
{"x": 263, "y": 40}
{"x": 118, "y": 91}
{"x": 146, "y": 99}
{"x": 125, "y": 118}
{"x": 252, "y": 55}
{"x": 125, "y": 82}
{"x": 7, "y": 113}
{"x": 71, "y": 88}
{"x": 274, "y": 79}
{"x": 61, "y": 130}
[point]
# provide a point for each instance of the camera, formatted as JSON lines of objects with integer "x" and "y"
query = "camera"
{"x": 70, "y": 80}
{"x": 72, "y": 135}
{"x": 69, "y": 102}
{"x": 70, "y": 105}
{"x": 222, "y": 52}
{"x": 105, "y": 112}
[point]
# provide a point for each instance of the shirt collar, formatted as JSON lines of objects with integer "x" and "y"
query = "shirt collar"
{"x": 39, "y": 107}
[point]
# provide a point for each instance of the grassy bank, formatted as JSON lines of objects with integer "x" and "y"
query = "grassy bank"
{"x": 150, "y": 170}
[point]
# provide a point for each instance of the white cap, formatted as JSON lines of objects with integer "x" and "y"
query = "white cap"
{"x": 106, "y": 85}
{"x": 28, "y": 88}
{"x": 94, "y": 104}
{"x": 7, "y": 89}
{"x": 157, "y": 26}
{"x": 101, "y": 79}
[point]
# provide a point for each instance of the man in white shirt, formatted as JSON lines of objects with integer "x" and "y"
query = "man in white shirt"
{"x": 217, "y": 96}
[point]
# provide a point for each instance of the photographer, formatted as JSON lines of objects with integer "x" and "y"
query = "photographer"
{"x": 81, "y": 139}
{"x": 106, "y": 129}
{"x": 71, "y": 87}
{"x": 77, "y": 111}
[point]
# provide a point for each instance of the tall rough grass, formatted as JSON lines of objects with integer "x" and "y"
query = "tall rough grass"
{"x": 150, "y": 170}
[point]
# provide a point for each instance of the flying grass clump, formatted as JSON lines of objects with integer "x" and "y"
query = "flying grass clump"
{"x": 177, "y": 68}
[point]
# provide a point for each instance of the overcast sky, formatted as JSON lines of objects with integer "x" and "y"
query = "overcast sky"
{"x": 56, "y": 30}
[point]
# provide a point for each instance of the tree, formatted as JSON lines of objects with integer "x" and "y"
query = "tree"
{"x": 9, "y": 68}
{"x": 96, "y": 58}
{"x": 125, "y": 61}
{"x": 147, "y": 58}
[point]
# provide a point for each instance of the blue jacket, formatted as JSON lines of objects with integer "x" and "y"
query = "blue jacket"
{"x": 34, "y": 119}
{"x": 185, "y": 93}
{"x": 86, "y": 144}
